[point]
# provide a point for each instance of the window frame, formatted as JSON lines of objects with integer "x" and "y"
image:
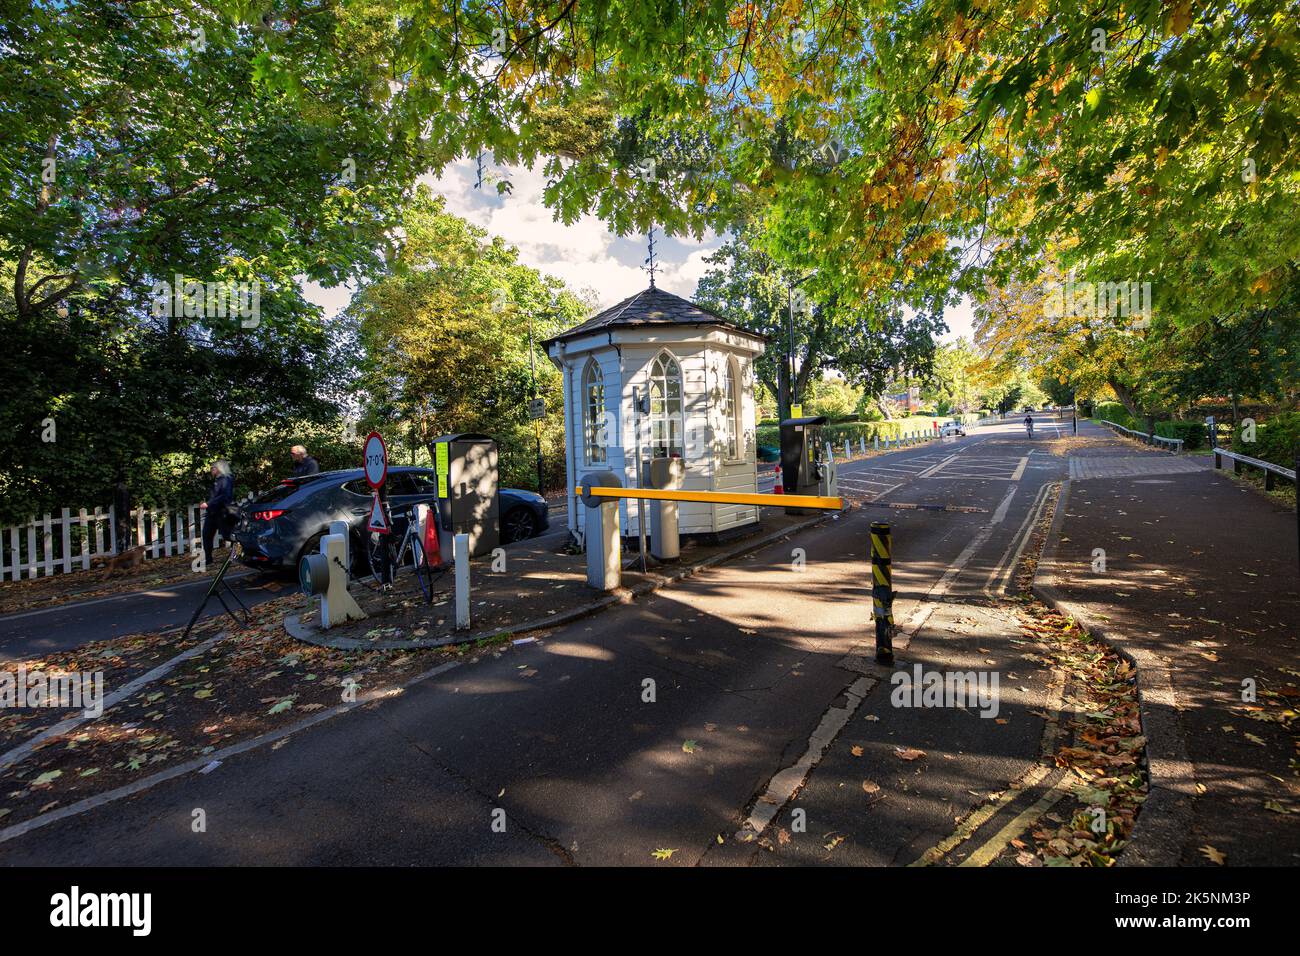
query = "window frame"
{"x": 733, "y": 450}
{"x": 658, "y": 447}
{"x": 592, "y": 424}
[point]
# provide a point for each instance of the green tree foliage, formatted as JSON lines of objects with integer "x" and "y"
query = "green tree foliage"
{"x": 868, "y": 344}
{"x": 445, "y": 335}
{"x": 145, "y": 141}
{"x": 952, "y": 385}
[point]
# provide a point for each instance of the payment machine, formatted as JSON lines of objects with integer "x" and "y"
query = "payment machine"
{"x": 802, "y": 465}
{"x": 468, "y": 500}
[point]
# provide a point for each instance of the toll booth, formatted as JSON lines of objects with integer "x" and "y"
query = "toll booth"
{"x": 468, "y": 499}
{"x": 802, "y": 468}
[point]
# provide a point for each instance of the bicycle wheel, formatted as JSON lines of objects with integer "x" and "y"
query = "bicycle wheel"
{"x": 420, "y": 568}
{"x": 376, "y": 552}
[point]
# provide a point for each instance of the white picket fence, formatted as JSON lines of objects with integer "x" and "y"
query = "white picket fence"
{"x": 71, "y": 542}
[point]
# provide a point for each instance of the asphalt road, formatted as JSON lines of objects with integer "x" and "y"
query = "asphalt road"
{"x": 33, "y": 633}
{"x": 559, "y": 740}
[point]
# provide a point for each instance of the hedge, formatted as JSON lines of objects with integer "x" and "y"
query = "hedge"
{"x": 1113, "y": 412}
{"x": 1193, "y": 434}
{"x": 1277, "y": 440}
{"x": 838, "y": 431}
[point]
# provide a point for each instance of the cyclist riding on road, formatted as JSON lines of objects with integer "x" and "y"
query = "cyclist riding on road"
{"x": 1029, "y": 425}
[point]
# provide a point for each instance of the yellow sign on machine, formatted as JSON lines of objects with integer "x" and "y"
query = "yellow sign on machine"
{"x": 441, "y": 466}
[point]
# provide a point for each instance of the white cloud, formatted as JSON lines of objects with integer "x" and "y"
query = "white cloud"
{"x": 586, "y": 255}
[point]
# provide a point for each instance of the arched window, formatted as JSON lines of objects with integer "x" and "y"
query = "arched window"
{"x": 730, "y": 410}
{"x": 666, "y": 427}
{"x": 594, "y": 430}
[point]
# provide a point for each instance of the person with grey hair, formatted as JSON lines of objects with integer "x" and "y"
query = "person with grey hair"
{"x": 216, "y": 508}
{"x": 303, "y": 463}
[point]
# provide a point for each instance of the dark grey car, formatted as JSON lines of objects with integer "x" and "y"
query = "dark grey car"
{"x": 277, "y": 528}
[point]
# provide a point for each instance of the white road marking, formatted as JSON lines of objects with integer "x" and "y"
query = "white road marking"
{"x": 1007, "y": 563}
{"x": 783, "y": 786}
{"x": 11, "y": 757}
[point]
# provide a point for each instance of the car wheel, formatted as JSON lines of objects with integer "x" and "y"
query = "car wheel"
{"x": 518, "y": 524}
{"x": 311, "y": 547}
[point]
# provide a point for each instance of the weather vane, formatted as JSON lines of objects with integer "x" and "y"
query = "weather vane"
{"x": 650, "y": 259}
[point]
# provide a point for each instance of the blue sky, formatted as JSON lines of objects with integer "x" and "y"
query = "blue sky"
{"x": 586, "y": 254}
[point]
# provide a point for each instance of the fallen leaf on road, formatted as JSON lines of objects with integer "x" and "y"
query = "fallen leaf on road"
{"x": 48, "y": 777}
{"x": 908, "y": 753}
{"x": 870, "y": 787}
{"x": 663, "y": 854}
{"x": 783, "y": 836}
{"x": 688, "y": 747}
{"x": 834, "y": 843}
{"x": 857, "y": 751}
{"x": 1213, "y": 855}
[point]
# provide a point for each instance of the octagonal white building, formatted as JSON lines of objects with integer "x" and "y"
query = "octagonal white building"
{"x": 694, "y": 372}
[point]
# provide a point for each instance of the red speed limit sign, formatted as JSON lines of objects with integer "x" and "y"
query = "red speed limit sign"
{"x": 376, "y": 460}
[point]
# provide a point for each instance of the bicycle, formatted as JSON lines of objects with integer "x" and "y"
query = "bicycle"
{"x": 386, "y": 558}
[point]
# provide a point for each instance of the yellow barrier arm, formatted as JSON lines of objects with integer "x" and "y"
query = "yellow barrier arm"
{"x": 721, "y": 497}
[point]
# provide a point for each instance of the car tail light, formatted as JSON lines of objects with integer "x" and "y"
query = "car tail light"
{"x": 268, "y": 515}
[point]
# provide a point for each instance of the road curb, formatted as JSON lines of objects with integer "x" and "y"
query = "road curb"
{"x": 311, "y": 633}
{"x": 1164, "y": 821}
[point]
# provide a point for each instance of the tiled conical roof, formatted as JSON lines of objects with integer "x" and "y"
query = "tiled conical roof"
{"x": 650, "y": 307}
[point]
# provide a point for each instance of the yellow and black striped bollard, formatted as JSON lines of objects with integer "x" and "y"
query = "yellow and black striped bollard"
{"x": 882, "y": 592}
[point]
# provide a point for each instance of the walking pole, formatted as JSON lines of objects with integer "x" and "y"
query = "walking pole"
{"x": 882, "y": 592}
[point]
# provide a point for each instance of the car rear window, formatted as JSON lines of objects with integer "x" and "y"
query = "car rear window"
{"x": 278, "y": 493}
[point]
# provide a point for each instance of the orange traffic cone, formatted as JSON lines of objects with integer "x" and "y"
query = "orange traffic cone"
{"x": 432, "y": 551}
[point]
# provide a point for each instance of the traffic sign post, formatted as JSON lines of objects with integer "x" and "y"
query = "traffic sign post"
{"x": 379, "y": 517}
{"x": 375, "y": 462}
{"x": 537, "y": 411}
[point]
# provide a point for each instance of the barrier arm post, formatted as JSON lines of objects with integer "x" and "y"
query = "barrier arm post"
{"x": 882, "y": 591}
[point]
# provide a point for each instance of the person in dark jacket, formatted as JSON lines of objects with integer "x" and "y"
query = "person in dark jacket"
{"x": 303, "y": 463}
{"x": 216, "y": 509}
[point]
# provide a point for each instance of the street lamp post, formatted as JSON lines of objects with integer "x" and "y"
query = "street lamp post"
{"x": 537, "y": 423}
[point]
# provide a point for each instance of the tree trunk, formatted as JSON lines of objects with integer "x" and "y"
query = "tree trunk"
{"x": 1126, "y": 397}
